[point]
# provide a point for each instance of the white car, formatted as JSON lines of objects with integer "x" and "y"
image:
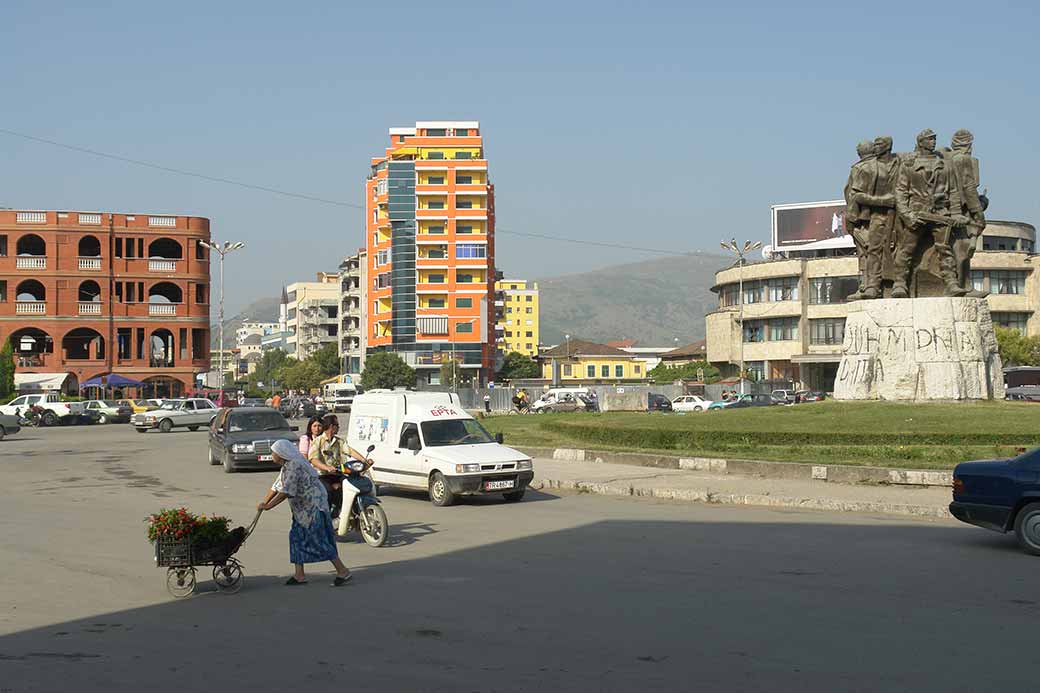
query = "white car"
{"x": 690, "y": 403}
{"x": 190, "y": 413}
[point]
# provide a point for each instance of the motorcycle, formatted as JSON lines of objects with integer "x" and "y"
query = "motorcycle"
{"x": 362, "y": 512}
{"x": 32, "y": 417}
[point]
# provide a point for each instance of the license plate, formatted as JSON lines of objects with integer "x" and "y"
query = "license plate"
{"x": 264, "y": 458}
{"x": 493, "y": 485}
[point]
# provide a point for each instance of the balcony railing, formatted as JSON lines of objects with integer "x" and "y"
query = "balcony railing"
{"x": 31, "y": 218}
{"x": 162, "y": 308}
{"x": 162, "y": 265}
{"x": 33, "y": 263}
{"x": 89, "y": 308}
{"x": 90, "y": 263}
{"x": 30, "y": 308}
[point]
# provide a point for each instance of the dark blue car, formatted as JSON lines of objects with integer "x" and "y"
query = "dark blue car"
{"x": 1001, "y": 495}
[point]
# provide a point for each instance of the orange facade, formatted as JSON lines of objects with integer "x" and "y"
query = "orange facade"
{"x": 92, "y": 293}
{"x": 453, "y": 223}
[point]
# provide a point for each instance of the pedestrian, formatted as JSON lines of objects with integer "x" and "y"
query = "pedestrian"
{"x": 276, "y": 400}
{"x": 313, "y": 430}
{"x": 487, "y": 403}
{"x": 311, "y": 538}
{"x": 327, "y": 455}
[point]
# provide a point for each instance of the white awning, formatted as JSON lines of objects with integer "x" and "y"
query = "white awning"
{"x": 35, "y": 382}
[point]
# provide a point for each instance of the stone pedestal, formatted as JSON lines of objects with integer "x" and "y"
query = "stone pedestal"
{"x": 919, "y": 349}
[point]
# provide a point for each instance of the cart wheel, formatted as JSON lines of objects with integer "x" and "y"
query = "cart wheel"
{"x": 180, "y": 582}
{"x": 229, "y": 577}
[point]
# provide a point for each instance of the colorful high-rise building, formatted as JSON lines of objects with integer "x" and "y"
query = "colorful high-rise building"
{"x": 517, "y": 316}
{"x": 430, "y": 238}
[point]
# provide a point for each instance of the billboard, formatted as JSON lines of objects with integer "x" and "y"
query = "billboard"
{"x": 810, "y": 226}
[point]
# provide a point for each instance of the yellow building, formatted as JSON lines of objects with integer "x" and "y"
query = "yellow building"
{"x": 577, "y": 362}
{"x": 516, "y": 306}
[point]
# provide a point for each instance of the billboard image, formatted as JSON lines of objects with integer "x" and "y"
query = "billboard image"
{"x": 806, "y": 224}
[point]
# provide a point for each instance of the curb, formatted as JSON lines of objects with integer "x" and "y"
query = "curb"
{"x": 697, "y": 496}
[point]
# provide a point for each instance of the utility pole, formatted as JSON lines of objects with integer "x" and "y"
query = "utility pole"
{"x": 222, "y": 250}
{"x": 741, "y": 253}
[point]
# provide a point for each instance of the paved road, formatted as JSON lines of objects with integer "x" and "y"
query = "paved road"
{"x": 564, "y": 593}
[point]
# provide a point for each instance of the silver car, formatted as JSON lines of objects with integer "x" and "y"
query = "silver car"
{"x": 188, "y": 413}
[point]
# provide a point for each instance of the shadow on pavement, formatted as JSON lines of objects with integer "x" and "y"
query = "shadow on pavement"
{"x": 608, "y": 606}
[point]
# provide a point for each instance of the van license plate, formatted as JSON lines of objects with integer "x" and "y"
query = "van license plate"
{"x": 493, "y": 485}
{"x": 264, "y": 458}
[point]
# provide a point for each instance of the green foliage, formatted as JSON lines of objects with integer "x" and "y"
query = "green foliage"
{"x": 1016, "y": 349}
{"x": 455, "y": 377}
{"x": 299, "y": 375}
{"x": 7, "y": 370}
{"x": 270, "y": 363}
{"x": 516, "y": 365}
{"x": 326, "y": 360}
{"x": 662, "y": 373}
{"x": 386, "y": 370}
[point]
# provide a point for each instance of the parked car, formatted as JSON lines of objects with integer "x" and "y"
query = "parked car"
{"x": 555, "y": 394}
{"x": 656, "y": 402}
{"x": 55, "y": 411}
{"x": 138, "y": 406}
{"x": 190, "y": 413}
{"x": 784, "y": 396}
{"x": 252, "y": 402}
{"x": 109, "y": 411}
{"x": 813, "y": 396}
{"x": 565, "y": 402}
{"x": 8, "y": 425}
{"x": 1023, "y": 393}
{"x": 744, "y": 401}
{"x": 242, "y": 437}
{"x": 1001, "y": 495}
{"x": 690, "y": 403}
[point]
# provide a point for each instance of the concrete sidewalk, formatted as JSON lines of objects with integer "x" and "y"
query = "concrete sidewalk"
{"x": 705, "y": 487}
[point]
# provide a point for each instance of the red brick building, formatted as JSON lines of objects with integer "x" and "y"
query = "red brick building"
{"x": 84, "y": 294}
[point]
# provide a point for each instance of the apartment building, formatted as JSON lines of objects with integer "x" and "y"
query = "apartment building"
{"x": 85, "y": 294}
{"x": 516, "y": 312}
{"x": 353, "y": 338}
{"x": 795, "y": 308}
{"x": 253, "y": 327}
{"x": 430, "y": 240}
{"x": 311, "y": 314}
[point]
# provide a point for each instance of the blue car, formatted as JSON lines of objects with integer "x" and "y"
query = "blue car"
{"x": 1002, "y": 495}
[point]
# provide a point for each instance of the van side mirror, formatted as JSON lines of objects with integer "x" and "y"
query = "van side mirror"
{"x": 499, "y": 438}
{"x": 371, "y": 448}
{"x": 413, "y": 443}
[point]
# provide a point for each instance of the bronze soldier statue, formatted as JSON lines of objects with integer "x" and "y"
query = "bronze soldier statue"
{"x": 923, "y": 205}
{"x": 857, "y": 217}
{"x": 966, "y": 202}
{"x": 879, "y": 200}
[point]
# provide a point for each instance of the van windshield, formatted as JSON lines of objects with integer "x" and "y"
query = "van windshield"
{"x": 454, "y": 432}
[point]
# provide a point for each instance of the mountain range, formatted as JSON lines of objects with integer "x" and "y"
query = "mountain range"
{"x": 653, "y": 302}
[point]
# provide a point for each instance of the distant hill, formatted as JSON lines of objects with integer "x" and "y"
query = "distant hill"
{"x": 653, "y": 301}
{"x": 260, "y": 310}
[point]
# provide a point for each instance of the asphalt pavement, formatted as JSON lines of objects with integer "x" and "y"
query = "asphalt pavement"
{"x": 568, "y": 592}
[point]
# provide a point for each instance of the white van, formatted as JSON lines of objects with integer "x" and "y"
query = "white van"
{"x": 426, "y": 440}
{"x": 339, "y": 397}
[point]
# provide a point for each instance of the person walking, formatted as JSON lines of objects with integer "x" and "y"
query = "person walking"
{"x": 487, "y": 403}
{"x": 311, "y": 538}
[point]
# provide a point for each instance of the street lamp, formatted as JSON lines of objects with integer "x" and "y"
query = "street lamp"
{"x": 222, "y": 250}
{"x": 741, "y": 253}
{"x": 454, "y": 384}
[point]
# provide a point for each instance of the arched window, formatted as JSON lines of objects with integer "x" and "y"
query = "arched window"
{"x": 30, "y": 290}
{"x": 165, "y": 292}
{"x": 165, "y": 249}
{"x": 83, "y": 343}
{"x": 161, "y": 349}
{"x": 89, "y": 246}
{"x": 31, "y": 244}
{"x": 89, "y": 291}
{"x": 30, "y": 345}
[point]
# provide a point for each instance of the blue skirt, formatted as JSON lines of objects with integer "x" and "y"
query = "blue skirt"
{"x": 313, "y": 544}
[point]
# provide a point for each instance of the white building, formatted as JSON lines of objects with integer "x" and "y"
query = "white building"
{"x": 311, "y": 312}
{"x": 353, "y": 338}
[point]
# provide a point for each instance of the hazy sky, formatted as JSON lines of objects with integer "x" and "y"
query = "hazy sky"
{"x": 665, "y": 125}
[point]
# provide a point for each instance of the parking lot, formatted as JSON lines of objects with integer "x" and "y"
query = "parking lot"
{"x": 568, "y": 592}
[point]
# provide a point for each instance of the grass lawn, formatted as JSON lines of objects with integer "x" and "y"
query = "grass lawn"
{"x": 924, "y": 436}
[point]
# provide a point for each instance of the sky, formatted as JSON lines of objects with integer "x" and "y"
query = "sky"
{"x": 662, "y": 125}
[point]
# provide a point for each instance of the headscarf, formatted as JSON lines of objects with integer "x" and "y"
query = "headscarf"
{"x": 293, "y": 459}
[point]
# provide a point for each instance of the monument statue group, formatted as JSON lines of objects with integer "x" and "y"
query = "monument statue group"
{"x": 915, "y": 219}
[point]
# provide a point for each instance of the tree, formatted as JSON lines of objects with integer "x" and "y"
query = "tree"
{"x": 299, "y": 375}
{"x": 6, "y": 371}
{"x": 1016, "y": 349}
{"x": 663, "y": 373}
{"x": 326, "y": 360}
{"x": 516, "y": 365}
{"x": 270, "y": 363}
{"x": 386, "y": 370}
{"x": 454, "y": 377}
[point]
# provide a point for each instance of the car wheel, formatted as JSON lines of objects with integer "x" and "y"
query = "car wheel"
{"x": 102, "y": 419}
{"x": 193, "y": 428}
{"x": 141, "y": 430}
{"x": 698, "y": 408}
{"x": 2, "y": 432}
{"x": 1027, "y": 528}
{"x": 165, "y": 425}
{"x": 229, "y": 466}
{"x": 49, "y": 419}
{"x": 209, "y": 455}
{"x": 440, "y": 494}
{"x": 514, "y": 496}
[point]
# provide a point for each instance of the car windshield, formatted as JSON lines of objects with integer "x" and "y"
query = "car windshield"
{"x": 454, "y": 432}
{"x": 110, "y": 403}
{"x": 257, "y": 421}
{"x": 173, "y": 404}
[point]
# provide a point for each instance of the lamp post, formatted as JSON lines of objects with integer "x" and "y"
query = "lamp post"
{"x": 222, "y": 250}
{"x": 741, "y": 253}
{"x": 454, "y": 378}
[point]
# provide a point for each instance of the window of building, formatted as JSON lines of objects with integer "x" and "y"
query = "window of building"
{"x": 1007, "y": 281}
{"x": 382, "y": 257}
{"x": 1014, "y": 321}
{"x": 756, "y": 370}
{"x": 463, "y": 204}
{"x": 400, "y": 139}
{"x": 463, "y": 155}
{"x": 435, "y": 230}
{"x": 435, "y": 155}
{"x": 827, "y": 331}
{"x": 383, "y": 280}
{"x": 754, "y": 330}
{"x": 461, "y": 132}
{"x": 200, "y": 250}
{"x": 200, "y": 294}
{"x": 783, "y": 289}
{"x": 471, "y": 250}
{"x": 435, "y": 278}
{"x": 832, "y": 289}
{"x": 435, "y": 204}
{"x": 463, "y": 302}
{"x": 463, "y": 180}
{"x": 604, "y": 371}
{"x": 509, "y": 334}
{"x": 463, "y": 228}
{"x": 590, "y": 370}
{"x": 435, "y": 180}
{"x": 463, "y": 277}
{"x": 527, "y": 298}
{"x": 636, "y": 368}
{"x": 436, "y": 132}
{"x": 463, "y": 327}
{"x": 529, "y": 322}
{"x": 3, "y": 246}
{"x": 567, "y": 369}
{"x": 529, "y": 310}
{"x": 436, "y": 303}
{"x": 529, "y": 334}
{"x": 509, "y": 309}
{"x": 783, "y": 329}
{"x": 754, "y": 292}
{"x": 3, "y": 290}
{"x": 124, "y": 343}
{"x": 619, "y": 371}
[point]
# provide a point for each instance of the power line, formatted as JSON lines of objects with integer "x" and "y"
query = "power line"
{"x": 310, "y": 198}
